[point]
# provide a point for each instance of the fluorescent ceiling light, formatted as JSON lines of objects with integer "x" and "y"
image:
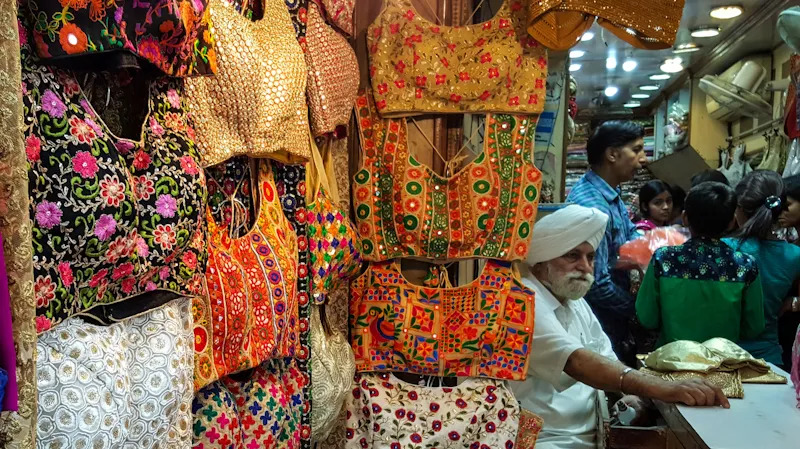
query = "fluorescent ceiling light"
{"x": 611, "y": 91}
{"x": 587, "y": 36}
{"x": 575, "y": 54}
{"x": 706, "y": 31}
{"x": 649, "y": 87}
{"x": 611, "y": 63}
{"x": 640, "y": 96}
{"x": 687, "y": 48}
{"x": 673, "y": 65}
{"x": 632, "y": 104}
{"x": 660, "y": 76}
{"x": 629, "y": 65}
{"x": 726, "y": 12}
{"x": 574, "y": 67}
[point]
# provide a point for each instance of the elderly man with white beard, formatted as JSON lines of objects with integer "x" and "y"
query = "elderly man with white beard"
{"x": 571, "y": 358}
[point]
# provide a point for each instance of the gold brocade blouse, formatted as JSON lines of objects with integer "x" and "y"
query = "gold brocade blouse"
{"x": 419, "y": 67}
{"x": 256, "y": 103}
{"x": 559, "y": 24}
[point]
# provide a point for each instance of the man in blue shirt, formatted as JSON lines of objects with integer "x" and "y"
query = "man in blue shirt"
{"x": 615, "y": 152}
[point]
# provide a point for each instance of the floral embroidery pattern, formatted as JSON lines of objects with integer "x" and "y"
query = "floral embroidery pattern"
{"x": 417, "y": 66}
{"x": 173, "y": 35}
{"x": 484, "y": 328}
{"x": 704, "y": 259}
{"x": 404, "y": 209}
{"x": 333, "y": 247}
{"x": 383, "y": 411}
{"x": 261, "y": 412}
{"x": 298, "y": 10}
{"x": 250, "y": 312}
{"x": 339, "y": 13}
{"x": 113, "y": 217}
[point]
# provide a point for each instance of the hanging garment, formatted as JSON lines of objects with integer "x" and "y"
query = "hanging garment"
{"x": 332, "y": 371}
{"x": 404, "y": 209}
{"x": 298, "y": 12}
{"x": 334, "y": 247}
{"x": 172, "y": 35}
{"x": 128, "y": 385}
{"x": 113, "y": 217}
{"x": 332, "y": 75}
{"x": 384, "y": 412}
{"x": 481, "y": 329}
{"x": 339, "y": 13}
{"x": 791, "y": 116}
{"x": 261, "y": 411}
{"x": 775, "y": 153}
{"x": 559, "y": 24}
{"x": 255, "y": 105}
{"x": 250, "y": 312}
{"x": 8, "y": 355}
{"x": 419, "y": 67}
{"x": 793, "y": 159}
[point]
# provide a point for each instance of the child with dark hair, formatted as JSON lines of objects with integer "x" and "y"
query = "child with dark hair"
{"x": 655, "y": 205}
{"x": 703, "y": 288}
{"x": 709, "y": 175}
{"x": 760, "y": 205}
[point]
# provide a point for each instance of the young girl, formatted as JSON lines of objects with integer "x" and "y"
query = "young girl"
{"x": 655, "y": 205}
{"x": 761, "y": 202}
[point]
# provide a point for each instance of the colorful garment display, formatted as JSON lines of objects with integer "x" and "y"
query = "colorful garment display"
{"x": 418, "y": 67}
{"x": 339, "y": 13}
{"x": 255, "y": 105}
{"x": 124, "y": 385}
{"x": 262, "y": 411}
{"x": 481, "y": 329}
{"x": 404, "y": 209}
{"x": 172, "y": 35}
{"x": 298, "y": 11}
{"x": 701, "y": 290}
{"x": 113, "y": 217}
{"x": 250, "y": 312}
{"x": 383, "y": 412}
{"x": 334, "y": 247}
{"x": 332, "y": 75}
{"x": 559, "y": 24}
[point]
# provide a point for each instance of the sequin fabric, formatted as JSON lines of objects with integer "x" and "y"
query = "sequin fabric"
{"x": 404, "y": 209}
{"x": 128, "y": 385}
{"x": 255, "y": 105}
{"x": 170, "y": 34}
{"x": 385, "y": 412}
{"x": 559, "y": 24}
{"x": 340, "y": 14}
{"x": 530, "y": 425}
{"x": 332, "y": 75}
{"x": 250, "y": 313}
{"x": 113, "y": 217}
{"x": 419, "y": 67}
{"x": 262, "y": 411}
{"x": 482, "y": 329}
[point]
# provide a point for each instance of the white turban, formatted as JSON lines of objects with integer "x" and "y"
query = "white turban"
{"x": 563, "y": 230}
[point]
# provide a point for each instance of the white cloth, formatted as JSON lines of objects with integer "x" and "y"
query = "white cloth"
{"x": 563, "y": 230}
{"x": 567, "y": 407}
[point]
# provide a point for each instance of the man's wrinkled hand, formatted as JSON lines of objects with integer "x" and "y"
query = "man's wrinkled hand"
{"x": 694, "y": 392}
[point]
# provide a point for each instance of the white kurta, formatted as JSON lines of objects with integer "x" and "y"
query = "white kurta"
{"x": 568, "y": 407}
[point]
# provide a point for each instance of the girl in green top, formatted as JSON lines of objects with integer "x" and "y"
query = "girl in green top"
{"x": 760, "y": 203}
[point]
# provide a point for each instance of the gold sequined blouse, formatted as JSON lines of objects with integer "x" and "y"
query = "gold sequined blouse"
{"x": 256, "y": 103}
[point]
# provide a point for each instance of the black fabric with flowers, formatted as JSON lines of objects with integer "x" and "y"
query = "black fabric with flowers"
{"x": 172, "y": 35}
{"x": 112, "y": 217}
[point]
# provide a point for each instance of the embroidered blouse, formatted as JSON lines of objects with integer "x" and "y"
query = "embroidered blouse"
{"x": 482, "y": 329}
{"x": 418, "y": 67}
{"x": 404, "y": 209}
{"x": 113, "y": 217}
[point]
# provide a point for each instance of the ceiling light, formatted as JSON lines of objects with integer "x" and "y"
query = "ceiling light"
{"x": 649, "y": 87}
{"x": 575, "y": 54}
{"x": 726, "y": 12}
{"x": 632, "y": 104}
{"x": 706, "y": 31}
{"x": 673, "y": 65}
{"x": 587, "y": 36}
{"x": 640, "y": 96}
{"x": 611, "y": 91}
{"x": 629, "y": 65}
{"x": 611, "y": 63}
{"x": 687, "y": 48}
{"x": 660, "y": 76}
{"x": 574, "y": 67}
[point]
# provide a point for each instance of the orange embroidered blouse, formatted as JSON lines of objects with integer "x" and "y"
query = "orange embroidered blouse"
{"x": 419, "y": 67}
{"x": 404, "y": 209}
